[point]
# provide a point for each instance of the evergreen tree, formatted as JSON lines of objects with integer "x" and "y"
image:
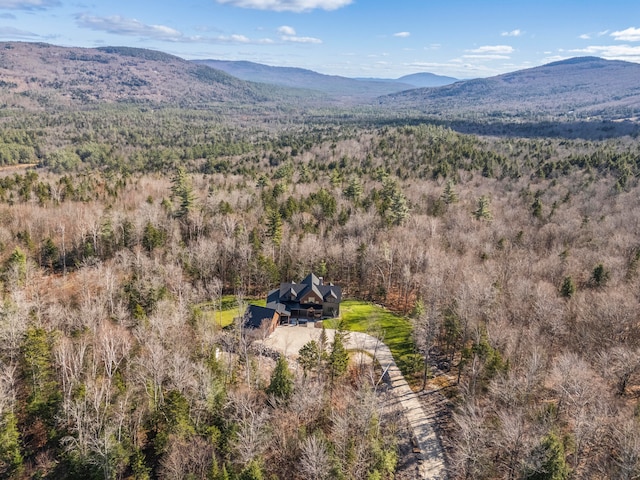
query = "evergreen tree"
{"x": 274, "y": 227}
{"x": 449, "y": 195}
{"x": 393, "y": 207}
{"x": 600, "y": 275}
{"x": 253, "y": 471}
{"x": 224, "y": 474}
{"x": 10, "y": 456}
{"x": 49, "y": 253}
{"x": 339, "y": 357}
{"x": 281, "y": 385}
{"x": 43, "y": 395}
{"x": 568, "y": 288}
{"x": 354, "y": 190}
{"x": 398, "y": 208}
{"x": 536, "y": 208}
{"x": 482, "y": 212}
{"x": 152, "y": 237}
{"x": 550, "y": 463}
{"x": 182, "y": 189}
{"x": 16, "y": 267}
{"x": 310, "y": 356}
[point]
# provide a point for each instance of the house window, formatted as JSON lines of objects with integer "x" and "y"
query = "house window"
{"x": 311, "y": 300}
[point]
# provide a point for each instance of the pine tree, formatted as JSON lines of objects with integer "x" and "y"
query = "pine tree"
{"x": 274, "y": 227}
{"x": 449, "y": 195}
{"x": 482, "y": 212}
{"x": 10, "y": 456}
{"x": 281, "y": 385}
{"x": 354, "y": 190}
{"x": 536, "y": 208}
{"x": 182, "y": 189}
{"x": 568, "y": 287}
{"x": 398, "y": 208}
{"x": 310, "y": 356}
{"x": 600, "y": 275}
{"x": 253, "y": 471}
{"x": 551, "y": 464}
{"x": 339, "y": 357}
{"x": 16, "y": 267}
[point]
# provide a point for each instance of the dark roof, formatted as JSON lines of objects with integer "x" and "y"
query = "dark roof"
{"x": 273, "y": 296}
{"x": 255, "y": 315}
{"x": 311, "y": 279}
{"x": 280, "y": 308}
{"x": 291, "y": 292}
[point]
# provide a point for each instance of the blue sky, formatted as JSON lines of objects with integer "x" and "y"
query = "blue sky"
{"x": 355, "y": 38}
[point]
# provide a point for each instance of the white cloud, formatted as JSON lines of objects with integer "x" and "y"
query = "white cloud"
{"x": 631, "y": 34}
{"x": 590, "y": 35}
{"x": 295, "y": 39}
{"x": 10, "y": 32}
{"x": 513, "y": 33}
{"x": 238, "y": 39}
{"x": 288, "y": 34}
{"x": 612, "y": 52}
{"x": 285, "y": 30}
{"x": 127, "y": 26}
{"x": 288, "y": 5}
{"x": 118, "y": 25}
{"x": 493, "y": 50}
{"x": 402, "y": 34}
{"x": 28, "y": 4}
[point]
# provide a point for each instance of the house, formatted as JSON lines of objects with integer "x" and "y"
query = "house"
{"x": 309, "y": 300}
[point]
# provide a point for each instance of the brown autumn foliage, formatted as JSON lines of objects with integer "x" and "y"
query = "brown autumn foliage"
{"x": 106, "y": 352}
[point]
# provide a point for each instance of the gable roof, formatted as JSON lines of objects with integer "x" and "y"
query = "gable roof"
{"x": 255, "y": 315}
{"x": 293, "y": 292}
{"x": 311, "y": 279}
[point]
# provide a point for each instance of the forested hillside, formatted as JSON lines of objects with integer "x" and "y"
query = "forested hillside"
{"x": 579, "y": 87}
{"x": 516, "y": 258}
{"x": 43, "y": 77}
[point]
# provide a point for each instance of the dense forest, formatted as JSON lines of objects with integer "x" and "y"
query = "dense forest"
{"x": 516, "y": 258}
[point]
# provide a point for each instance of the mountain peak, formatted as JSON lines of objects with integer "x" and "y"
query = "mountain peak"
{"x": 579, "y": 61}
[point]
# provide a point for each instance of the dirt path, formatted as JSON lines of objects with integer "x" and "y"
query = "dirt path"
{"x": 290, "y": 340}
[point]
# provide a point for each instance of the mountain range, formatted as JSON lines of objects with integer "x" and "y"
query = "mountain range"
{"x": 334, "y": 85}
{"x": 41, "y": 76}
{"x": 576, "y": 86}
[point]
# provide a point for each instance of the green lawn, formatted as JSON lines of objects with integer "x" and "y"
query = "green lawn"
{"x": 229, "y": 312}
{"x": 360, "y": 316}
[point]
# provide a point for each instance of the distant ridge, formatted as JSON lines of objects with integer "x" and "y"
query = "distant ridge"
{"x": 427, "y": 80}
{"x": 582, "y": 85}
{"x": 302, "y": 78}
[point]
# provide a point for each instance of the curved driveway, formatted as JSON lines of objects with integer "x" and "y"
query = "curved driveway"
{"x": 290, "y": 340}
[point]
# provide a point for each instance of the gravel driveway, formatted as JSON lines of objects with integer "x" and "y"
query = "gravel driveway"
{"x": 290, "y": 339}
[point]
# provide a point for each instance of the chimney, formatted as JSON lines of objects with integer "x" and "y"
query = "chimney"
{"x": 320, "y": 280}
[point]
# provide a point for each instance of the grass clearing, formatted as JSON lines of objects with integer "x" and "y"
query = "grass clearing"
{"x": 223, "y": 317}
{"x": 365, "y": 317}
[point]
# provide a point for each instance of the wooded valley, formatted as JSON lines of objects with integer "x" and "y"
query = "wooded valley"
{"x": 517, "y": 260}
